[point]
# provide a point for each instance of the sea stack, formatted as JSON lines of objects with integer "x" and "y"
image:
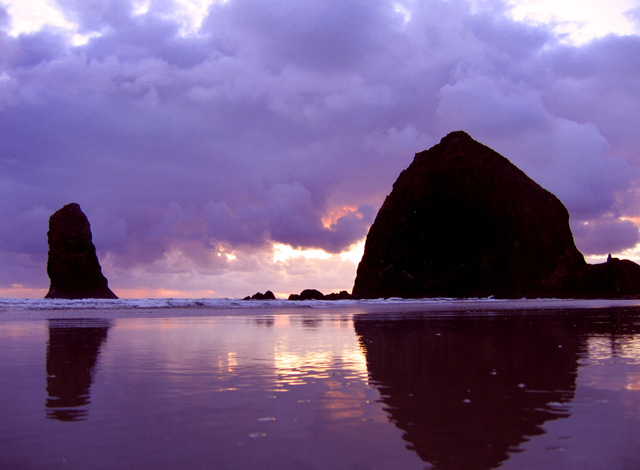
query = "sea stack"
{"x": 463, "y": 221}
{"x": 73, "y": 265}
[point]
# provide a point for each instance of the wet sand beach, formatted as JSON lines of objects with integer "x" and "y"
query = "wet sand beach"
{"x": 178, "y": 383}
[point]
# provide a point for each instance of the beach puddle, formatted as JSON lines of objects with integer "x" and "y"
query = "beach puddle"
{"x": 329, "y": 388}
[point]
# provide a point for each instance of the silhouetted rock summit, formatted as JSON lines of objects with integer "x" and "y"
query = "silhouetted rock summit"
{"x": 463, "y": 221}
{"x": 73, "y": 265}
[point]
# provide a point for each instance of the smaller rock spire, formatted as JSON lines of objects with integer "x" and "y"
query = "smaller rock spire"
{"x": 73, "y": 265}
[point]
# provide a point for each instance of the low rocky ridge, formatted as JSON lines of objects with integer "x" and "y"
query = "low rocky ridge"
{"x": 313, "y": 294}
{"x": 463, "y": 221}
{"x": 260, "y": 296}
{"x": 307, "y": 294}
{"x": 73, "y": 265}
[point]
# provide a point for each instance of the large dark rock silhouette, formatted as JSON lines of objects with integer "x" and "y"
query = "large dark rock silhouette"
{"x": 73, "y": 265}
{"x": 463, "y": 221}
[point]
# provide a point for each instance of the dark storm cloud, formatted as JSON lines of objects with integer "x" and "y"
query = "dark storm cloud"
{"x": 325, "y": 36}
{"x": 39, "y": 47}
{"x": 277, "y": 114}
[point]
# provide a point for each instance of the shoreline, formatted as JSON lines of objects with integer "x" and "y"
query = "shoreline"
{"x": 42, "y": 309}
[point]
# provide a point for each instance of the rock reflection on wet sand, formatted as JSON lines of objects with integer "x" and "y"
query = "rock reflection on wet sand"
{"x": 72, "y": 353}
{"x": 467, "y": 392}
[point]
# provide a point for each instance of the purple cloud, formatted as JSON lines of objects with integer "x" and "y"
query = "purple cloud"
{"x": 283, "y": 122}
{"x": 615, "y": 234}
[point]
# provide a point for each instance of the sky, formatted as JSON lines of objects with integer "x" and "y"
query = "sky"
{"x": 221, "y": 148}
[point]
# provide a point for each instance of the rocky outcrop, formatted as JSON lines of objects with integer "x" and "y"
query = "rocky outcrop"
{"x": 313, "y": 294}
{"x": 307, "y": 294}
{"x": 463, "y": 221}
{"x": 73, "y": 265}
{"x": 342, "y": 295}
{"x": 260, "y": 296}
{"x": 617, "y": 278}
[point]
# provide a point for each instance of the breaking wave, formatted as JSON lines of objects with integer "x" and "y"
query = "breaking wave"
{"x": 218, "y": 305}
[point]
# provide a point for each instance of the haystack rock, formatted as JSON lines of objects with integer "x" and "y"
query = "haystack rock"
{"x": 73, "y": 265}
{"x": 463, "y": 221}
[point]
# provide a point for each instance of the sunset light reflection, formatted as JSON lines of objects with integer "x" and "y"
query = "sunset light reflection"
{"x": 302, "y": 363}
{"x": 622, "y": 351}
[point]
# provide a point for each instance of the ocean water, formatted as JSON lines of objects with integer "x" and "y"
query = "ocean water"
{"x": 381, "y": 384}
{"x": 14, "y": 308}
